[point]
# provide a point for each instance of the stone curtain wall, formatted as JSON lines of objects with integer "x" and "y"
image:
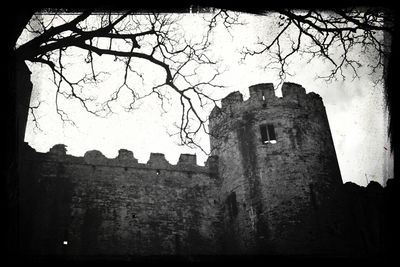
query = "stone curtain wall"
{"x": 102, "y": 206}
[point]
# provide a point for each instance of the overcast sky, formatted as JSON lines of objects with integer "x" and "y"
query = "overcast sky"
{"x": 356, "y": 110}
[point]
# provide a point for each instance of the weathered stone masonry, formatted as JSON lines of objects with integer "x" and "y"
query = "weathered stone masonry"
{"x": 119, "y": 206}
{"x": 284, "y": 189}
{"x": 273, "y": 185}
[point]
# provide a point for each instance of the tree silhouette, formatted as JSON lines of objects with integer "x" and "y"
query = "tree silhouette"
{"x": 335, "y": 36}
{"x": 153, "y": 38}
{"x": 317, "y": 34}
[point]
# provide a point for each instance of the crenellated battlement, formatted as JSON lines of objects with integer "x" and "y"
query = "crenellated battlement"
{"x": 262, "y": 91}
{"x": 232, "y": 99}
{"x": 277, "y": 162}
{"x": 293, "y": 90}
{"x": 262, "y": 96}
{"x": 268, "y": 187}
{"x": 58, "y": 149}
{"x": 158, "y": 160}
{"x": 126, "y": 155}
{"x": 118, "y": 206}
{"x": 187, "y": 159}
{"x": 125, "y": 158}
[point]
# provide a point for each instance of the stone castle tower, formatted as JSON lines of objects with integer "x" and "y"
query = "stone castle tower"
{"x": 270, "y": 186}
{"x": 278, "y": 170}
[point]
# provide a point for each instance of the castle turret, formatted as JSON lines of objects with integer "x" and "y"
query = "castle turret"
{"x": 278, "y": 170}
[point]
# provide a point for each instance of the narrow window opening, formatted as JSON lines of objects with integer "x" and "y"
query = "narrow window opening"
{"x": 264, "y": 134}
{"x": 263, "y": 98}
{"x": 267, "y": 134}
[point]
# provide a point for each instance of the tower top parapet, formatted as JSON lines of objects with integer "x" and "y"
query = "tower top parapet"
{"x": 263, "y": 96}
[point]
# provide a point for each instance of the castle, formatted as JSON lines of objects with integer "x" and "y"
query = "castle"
{"x": 271, "y": 186}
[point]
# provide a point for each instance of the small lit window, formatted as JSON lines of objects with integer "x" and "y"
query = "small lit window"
{"x": 264, "y": 100}
{"x": 65, "y": 242}
{"x": 268, "y": 134}
{"x": 158, "y": 172}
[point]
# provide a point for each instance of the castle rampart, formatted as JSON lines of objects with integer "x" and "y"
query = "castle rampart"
{"x": 270, "y": 186}
{"x": 119, "y": 206}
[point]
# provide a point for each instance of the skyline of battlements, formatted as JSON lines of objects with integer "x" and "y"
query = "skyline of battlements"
{"x": 263, "y": 94}
{"x": 125, "y": 158}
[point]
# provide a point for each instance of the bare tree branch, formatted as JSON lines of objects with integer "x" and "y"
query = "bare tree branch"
{"x": 336, "y": 37}
{"x": 326, "y": 34}
{"x": 152, "y": 38}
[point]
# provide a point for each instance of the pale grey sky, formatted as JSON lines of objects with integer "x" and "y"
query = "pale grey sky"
{"x": 356, "y": 109}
